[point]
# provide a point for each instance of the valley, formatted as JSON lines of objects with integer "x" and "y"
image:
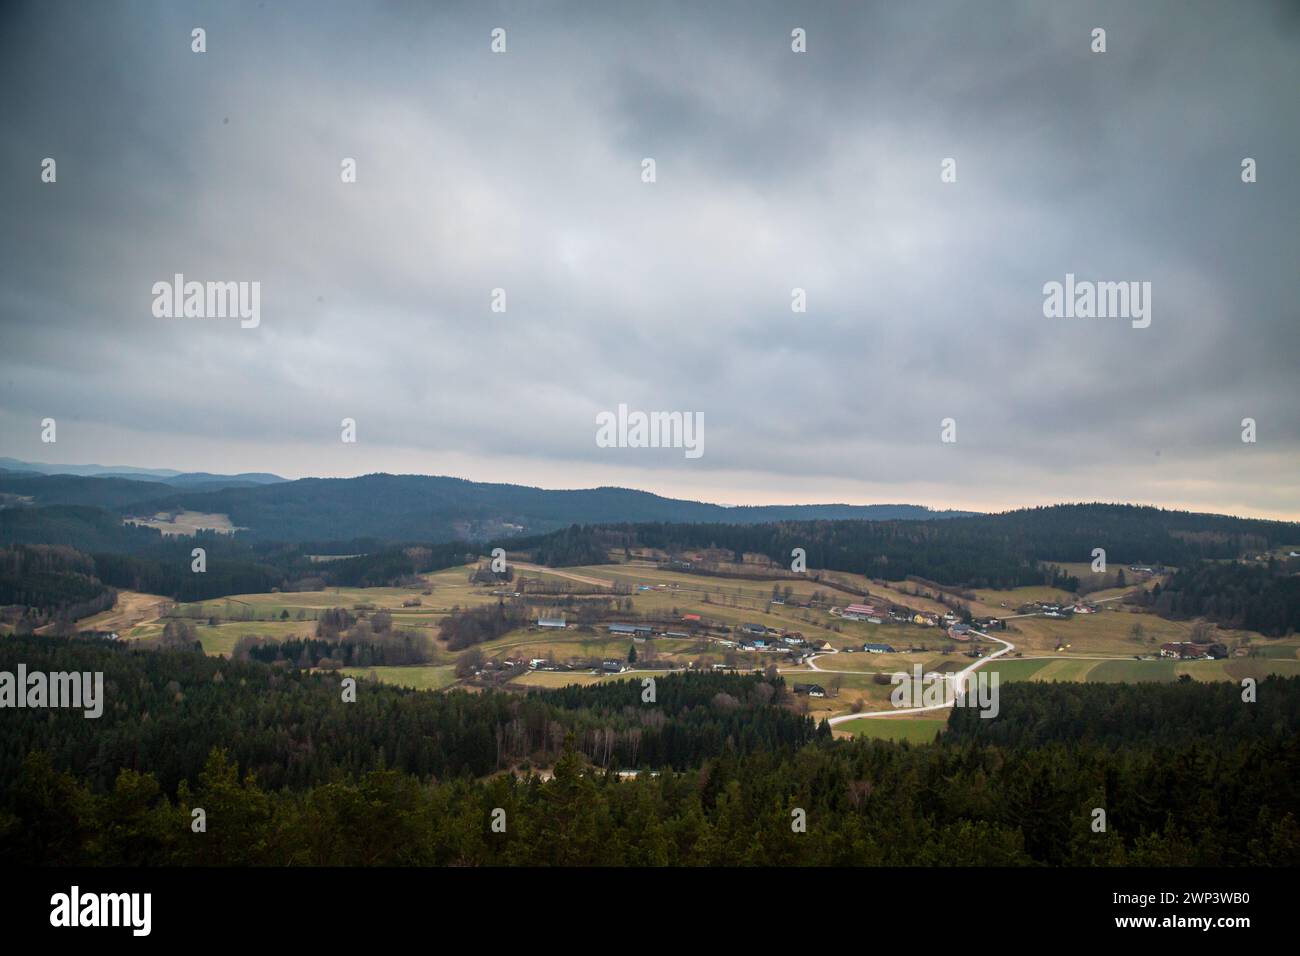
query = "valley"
{"x": 1100, "y": 647}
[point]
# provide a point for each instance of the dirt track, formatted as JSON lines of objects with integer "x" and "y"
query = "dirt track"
{"x": 580, "y": 578}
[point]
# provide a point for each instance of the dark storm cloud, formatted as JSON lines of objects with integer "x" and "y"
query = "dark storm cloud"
{"x": 775, "y": 170}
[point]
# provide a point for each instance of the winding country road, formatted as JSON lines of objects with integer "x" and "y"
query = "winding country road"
{"x": 958, "y": 683}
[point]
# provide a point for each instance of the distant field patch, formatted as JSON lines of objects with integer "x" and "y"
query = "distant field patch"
{"x": 1239, "y": 668}
{"x": 418, "y": 676}
{"x": 561, "y": 678}
{"x": 186, "y": 522}
{"x": 1014, "y": 597}
{"x": 1009, "y": 670}
{"x": 1132, "y": 671}
{"x": 1065, "y": 670}
{"x": 1276, "y": 652}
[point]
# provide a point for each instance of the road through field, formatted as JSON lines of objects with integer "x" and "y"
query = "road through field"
{"x": 958, "y": 684}
{"x": 580, "y": 578}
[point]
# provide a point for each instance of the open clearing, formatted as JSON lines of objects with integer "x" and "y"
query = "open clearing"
{"x": 186, "y": 522}
{"x": 1131, "y": 671}
{"x": 133, "y": 608}
{"x": 419, "y": 677}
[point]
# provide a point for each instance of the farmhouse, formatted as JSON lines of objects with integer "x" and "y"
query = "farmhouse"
{"x": 613, "y": 667}
{"x": 878, "y": 649}
{"x": 811, "y": 690}
{"x": 1184, "y": 650}
{"x": 959, "y": 632}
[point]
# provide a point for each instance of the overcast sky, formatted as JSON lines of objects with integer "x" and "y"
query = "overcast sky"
{"x": 775, "y": 170}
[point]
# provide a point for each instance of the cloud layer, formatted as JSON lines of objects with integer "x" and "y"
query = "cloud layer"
{"x": 775, "y": 170}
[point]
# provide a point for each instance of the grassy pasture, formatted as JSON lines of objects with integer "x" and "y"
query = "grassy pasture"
{"x": 1012, "y": 669}
{"x": 220, "y": 639}
{"x": 417, "y": 676}
{"x": 186, "y": 522}
{"x": 552, "y": 679}
{"x": 916, "y": 730}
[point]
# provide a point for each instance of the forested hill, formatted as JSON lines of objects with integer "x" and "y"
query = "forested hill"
{"x": 412, "y": 507}
{"x": 401, "y": 507}
{"x": 1005, "y": 550}
{"x": 289, "y": 774}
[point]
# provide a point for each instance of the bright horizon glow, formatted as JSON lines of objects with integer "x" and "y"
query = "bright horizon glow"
{"x": 709, "y": 488}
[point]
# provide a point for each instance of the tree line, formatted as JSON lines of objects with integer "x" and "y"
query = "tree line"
{"x": 51, "y": 582}
{"x": 1002, "y": 551}
{"x": 1261, "y": 597}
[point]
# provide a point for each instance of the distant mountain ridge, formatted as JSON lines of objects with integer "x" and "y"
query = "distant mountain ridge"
{"x": 408, "y": 507}
{"x": 165, "y": 475}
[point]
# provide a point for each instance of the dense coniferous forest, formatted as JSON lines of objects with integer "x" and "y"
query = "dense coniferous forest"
{"x": 166, "y": 710}
{"x": 373, "y": 643}
{"x": 289, "y": 774}
{"x": 51, "y": 582}
{"x": 233, "y": 566}
{"x": 1001, "y": 551}
{"x": 1116, "y": 715}
{"x": 82, "y": 527}
{"x": 1258, "y": 597}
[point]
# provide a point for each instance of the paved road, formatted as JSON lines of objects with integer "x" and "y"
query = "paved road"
{"x": 957, "y": 683}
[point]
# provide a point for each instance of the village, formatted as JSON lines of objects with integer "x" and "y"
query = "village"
{"x": 781, "y": 645}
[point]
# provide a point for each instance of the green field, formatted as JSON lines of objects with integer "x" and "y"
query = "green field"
{"x": 1133, "y": 671}
{"x": 1278, "y": 652}
{"x": 419, "y": 676}
{"x": 564, "y": 678}
{"x": 916, "y": 730}
{"x": 1010, "y": 670}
